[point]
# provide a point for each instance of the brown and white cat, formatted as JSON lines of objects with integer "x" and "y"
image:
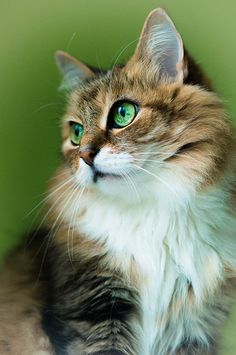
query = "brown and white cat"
{"x": 138, "y": 254}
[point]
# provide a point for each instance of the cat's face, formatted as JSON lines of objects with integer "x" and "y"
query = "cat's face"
{"x": 139, "y": 126}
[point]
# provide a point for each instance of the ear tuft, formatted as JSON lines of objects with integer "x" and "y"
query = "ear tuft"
{"x": 74, "y": 72}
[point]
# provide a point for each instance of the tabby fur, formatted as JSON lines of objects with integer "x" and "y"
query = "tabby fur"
{"x": 137, "y": 254}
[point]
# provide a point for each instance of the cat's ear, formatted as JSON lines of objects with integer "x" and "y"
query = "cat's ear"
{"x": 74, "y": 72}
{"x": 161, "y": 45}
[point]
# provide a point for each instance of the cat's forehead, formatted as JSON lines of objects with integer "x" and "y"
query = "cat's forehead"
{"x": 114, "y": 83}
{"x": 101, "y": 92}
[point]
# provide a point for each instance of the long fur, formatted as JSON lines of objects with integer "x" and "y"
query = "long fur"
{"x": 139, "y": 253}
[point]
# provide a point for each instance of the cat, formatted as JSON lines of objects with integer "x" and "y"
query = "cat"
{"x": 137, "y": 253}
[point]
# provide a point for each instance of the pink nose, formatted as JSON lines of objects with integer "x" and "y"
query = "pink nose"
{"x": 88, "y": 156}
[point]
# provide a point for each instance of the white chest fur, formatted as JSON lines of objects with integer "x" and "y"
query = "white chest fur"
{"x": 173, "y": 246}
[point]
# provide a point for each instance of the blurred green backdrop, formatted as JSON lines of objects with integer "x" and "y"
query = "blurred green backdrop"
{"x": 95, "y": 31}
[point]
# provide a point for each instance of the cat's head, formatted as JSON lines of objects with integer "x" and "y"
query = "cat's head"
{"x": 140, "y": 128}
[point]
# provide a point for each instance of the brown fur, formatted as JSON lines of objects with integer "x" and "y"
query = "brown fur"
{"x": 64, "y": 280}
{"x": 200, "y": 115}
{"x": 22, "y": 299}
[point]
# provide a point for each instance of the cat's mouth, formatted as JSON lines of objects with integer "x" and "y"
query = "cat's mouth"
{"x": 100, "y": 175}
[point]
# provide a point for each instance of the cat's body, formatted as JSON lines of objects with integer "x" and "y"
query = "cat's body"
{"x": 169, "y": 311}
{"x": 140, "y": 254}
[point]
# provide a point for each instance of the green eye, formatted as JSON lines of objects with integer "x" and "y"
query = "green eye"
{"x": 122, "y": 114}
{"x": 76, "y": 132}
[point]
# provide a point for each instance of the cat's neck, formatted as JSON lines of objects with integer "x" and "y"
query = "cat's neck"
{"x": 193, "y": 219}
{"x": 191, "y": 229}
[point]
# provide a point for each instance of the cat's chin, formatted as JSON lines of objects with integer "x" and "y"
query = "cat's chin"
{"x": 114, "y": 186}
{"x": 110, "y": 184}
{"x": 121, "y": 187}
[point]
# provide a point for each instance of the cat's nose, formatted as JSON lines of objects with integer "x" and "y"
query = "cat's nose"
{"x": 88, "y": 156}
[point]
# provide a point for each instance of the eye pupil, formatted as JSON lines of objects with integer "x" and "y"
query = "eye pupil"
{"x": 122, "y": 111}
{"x": 77, "y": 130}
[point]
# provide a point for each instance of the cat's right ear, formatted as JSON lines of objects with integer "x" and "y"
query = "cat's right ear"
{"x": 74, "y": 72}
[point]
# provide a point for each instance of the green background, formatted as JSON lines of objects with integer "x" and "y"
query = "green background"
{"x": 95, "y": 31}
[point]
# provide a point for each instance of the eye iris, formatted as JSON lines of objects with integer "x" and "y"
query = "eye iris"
{"x": 76, "y": 133}
{"x": 124, "y": 114}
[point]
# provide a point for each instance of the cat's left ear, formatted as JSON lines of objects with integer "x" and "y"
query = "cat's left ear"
{"x": 74, "y": 72}
{"x": 160, "y": 48}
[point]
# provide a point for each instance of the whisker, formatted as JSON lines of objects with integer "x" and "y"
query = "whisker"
{"x": 132, "y": 185}
{"x": 154, "y": 153}
{"x": 48, "y": 105}
{"x": 143, "y": 160}
{"x": 127, "y": 46}
{"x": 70, "y": 41}
{"x": 50, "y": 195}
{"x": 122, "y": 51}
{"x": 65, "y": 172}
{"x": 49, "y": 237}
{"x": 98, "y": 63}
{"x": 155, "y": 176}
{"x": 72, "y": 219}
{"x": 170, "y": 155}
{"x": 126, "y": 179}
{"x": 46, "y": 215}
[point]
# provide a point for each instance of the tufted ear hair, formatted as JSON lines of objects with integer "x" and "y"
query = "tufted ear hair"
{"x": 74, "y": 72}
{"x": 160, "y": 46}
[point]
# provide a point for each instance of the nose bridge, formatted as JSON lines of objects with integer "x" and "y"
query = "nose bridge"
{"x": 92, "y": 141}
